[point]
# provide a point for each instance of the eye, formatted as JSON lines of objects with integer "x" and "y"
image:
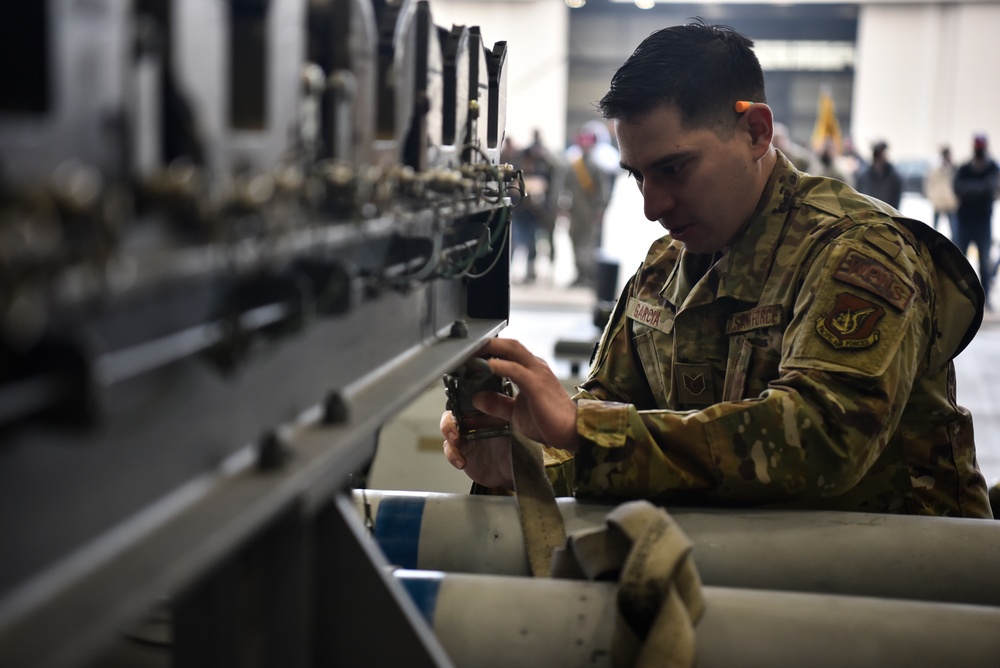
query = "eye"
{"x": 632, "y": 174}
{"x": 673, "y": 168}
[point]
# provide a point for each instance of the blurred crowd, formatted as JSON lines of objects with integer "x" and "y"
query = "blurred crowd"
{"x": 961, "y": 194}
{"x": 571, "y": 189}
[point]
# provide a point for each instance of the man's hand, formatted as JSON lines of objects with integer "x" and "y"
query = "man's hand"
{"x": 541, "y": 410}
{"x": 486, "y": 461}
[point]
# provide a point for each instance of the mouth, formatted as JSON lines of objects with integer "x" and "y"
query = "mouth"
{"x": 678, "y": 232}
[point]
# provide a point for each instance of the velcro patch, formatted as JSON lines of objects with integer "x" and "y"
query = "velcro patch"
{"x": 656, "y": 317}
{"x": 851, "y": 322}
{"x": 755, "y": 318}
{"x": 869, "y": 274}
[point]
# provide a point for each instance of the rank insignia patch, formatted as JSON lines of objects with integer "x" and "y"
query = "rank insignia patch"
{"x": 694, "y": 384}
{"x": 851, "y": 322}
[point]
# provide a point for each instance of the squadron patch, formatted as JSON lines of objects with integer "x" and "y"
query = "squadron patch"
{"x": 869, "y": 274}
{"x": 851, "y": 322}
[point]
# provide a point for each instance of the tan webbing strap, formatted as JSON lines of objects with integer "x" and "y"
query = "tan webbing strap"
{"x": 541, "y": 521}
{"x": 659, "y": 597}
{"x": 659, "y": 600}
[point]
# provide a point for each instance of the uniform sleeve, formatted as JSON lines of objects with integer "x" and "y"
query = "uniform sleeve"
{"x": 857, "y": 338}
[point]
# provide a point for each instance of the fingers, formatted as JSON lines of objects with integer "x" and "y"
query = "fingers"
{"x": 498, "y": 405}
{"x": 450, "y": 433}
{"x": 448, "y": 428}
{"x": 454, "y": 456}
{"x": 510, "y": 359}
{"x": 512, "y": 350}
{"x": 542, "y": 409}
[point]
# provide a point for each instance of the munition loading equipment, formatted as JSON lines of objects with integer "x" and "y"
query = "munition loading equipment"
{"x": 235, "y": 240}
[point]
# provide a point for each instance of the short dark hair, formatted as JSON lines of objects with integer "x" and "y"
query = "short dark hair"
{"x": 701, "y": 69}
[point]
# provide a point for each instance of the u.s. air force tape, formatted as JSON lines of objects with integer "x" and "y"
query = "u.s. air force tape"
{"x": 771, "y": 315}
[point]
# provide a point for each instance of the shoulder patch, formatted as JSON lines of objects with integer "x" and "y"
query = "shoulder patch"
{"x": 877, "y": 237}
{"x": 869, "y": 274}
{"x": 851, "y": 322}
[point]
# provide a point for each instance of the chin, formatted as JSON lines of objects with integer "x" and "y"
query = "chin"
{"x": 699, "y": 248}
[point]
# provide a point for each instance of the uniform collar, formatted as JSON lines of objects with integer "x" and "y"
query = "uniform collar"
{"x": 744, "y": 266}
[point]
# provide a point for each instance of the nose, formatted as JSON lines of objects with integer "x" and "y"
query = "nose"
{"x": 657, "y": 201}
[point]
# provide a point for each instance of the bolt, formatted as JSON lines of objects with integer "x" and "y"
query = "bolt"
{"x": 273, "y": 452}
{"x": 459, "y": 330}
{"x": 334, "y": 409}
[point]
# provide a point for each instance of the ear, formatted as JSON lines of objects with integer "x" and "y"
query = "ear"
{"x": 760, "y": 123}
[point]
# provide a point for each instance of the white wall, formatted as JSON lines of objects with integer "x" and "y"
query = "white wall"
{"x": 927, "y": 75}
{"x": 537, "y": 34}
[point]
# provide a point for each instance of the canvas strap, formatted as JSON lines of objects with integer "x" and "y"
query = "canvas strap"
{"x": 659, "y": 600}
{"x": 541, "y": 521}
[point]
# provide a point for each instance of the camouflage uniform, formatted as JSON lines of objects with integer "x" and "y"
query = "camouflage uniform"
{"x": 808, "y": 366}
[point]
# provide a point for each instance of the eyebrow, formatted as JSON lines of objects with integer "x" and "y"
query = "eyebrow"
{"x": 661, "y": 161}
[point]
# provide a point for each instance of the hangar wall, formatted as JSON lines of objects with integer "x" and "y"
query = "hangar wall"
{"x": 926, "y": 73}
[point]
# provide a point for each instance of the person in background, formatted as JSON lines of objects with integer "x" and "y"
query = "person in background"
{"x": 880, "y": 179}
{"x": 976, "y": 184}
{"x": 850, "y": 162}
{"x": 940, "y": 192}
{"x": 826, "y": 165}
{"x": 535, "y": 215}
{"x": 592, "y": 165}
{"x": 799, "y": 155}
{"x": 789, "y": 342}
